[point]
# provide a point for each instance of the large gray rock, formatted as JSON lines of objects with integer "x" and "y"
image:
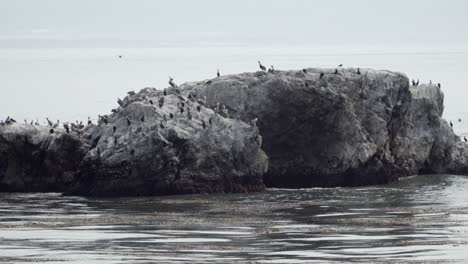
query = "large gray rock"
{"x": 149, "y": 156}
{"x": 339, "y": 129}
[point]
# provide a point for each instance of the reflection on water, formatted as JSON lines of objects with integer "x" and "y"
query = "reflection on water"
{"x": 419, "y": 219}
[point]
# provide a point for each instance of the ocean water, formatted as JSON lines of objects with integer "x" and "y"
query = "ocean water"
{"x": 80, "y": 80}
{"x": 420, "y": 219}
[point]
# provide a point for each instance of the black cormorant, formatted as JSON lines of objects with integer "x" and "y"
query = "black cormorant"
{"x": 218, "y": 74}
{"x": 304, "y": 70}
{"x": 263, "y": 68}
{"x": 321, "y": 75}
{"x": 198, "y": 108}
{"x": 336, "y": 71}
{"x": 114, "y": 128}
{"x": 358, "y": 71}
{"x": 171, "y": 82}
{"x": 451, "y": 125}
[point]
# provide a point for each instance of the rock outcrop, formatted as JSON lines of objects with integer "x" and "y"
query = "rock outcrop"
{"x": 317, "y": 127}
{"x": 146, "y": 147}
{"x": 322, "y": 128}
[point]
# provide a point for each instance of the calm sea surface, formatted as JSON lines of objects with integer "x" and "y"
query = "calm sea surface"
{"x": 421, "y": 219}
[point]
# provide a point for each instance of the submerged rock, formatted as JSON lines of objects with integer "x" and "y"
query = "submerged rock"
{"x": 322, "y": 128}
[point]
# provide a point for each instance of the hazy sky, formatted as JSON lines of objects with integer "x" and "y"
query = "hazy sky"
{"x": 325, "y": 21}
{"x": 58, "y": 58}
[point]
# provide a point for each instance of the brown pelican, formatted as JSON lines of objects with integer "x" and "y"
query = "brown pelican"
{"x": 263, "y": 68}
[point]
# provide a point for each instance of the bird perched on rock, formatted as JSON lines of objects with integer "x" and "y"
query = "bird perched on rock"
{"x": 451, "y": 124}
{"x": 198, "y": 108}
{"x": 321, "y": 75}
{"x": 203, "y": 124}
{"x": 142, "y": 119}
{"x": 161, "y": 102}
{"x": 439, "y": 85}
{"x": 306, "y": 84}
{"x": 164, "y": 92}
{"x": 413, "y": 82}
{"x": 89, "y": 121}
{"x": 263, "y": 68}
{"x": 181, "y": 109}
{"x": 120, "y": 102}
{"x": 128, "y": 122}
{"x": 131, "y": 93}
{"x": 218, "y": 74}
{"x": 336, "y": 71}
{"x": 49, "y": 122}
{"x": 171, "y": 82}
{"x": 304, "y": 70}
{"x": 171, "y": 115}
{"x": 417, "y": 83}
{"x": 464, "y": 138}
{"x": 341, "y": 65}
{"x": 358, "y": 71}
{"x": 51, "y": 131}
{"x": 210, "y": 121}
{"x": 209, "y": 82}
{"x": 271, "y": 69}
{"x": 114, "y": 128}
{"x": 56, "y": 124}
{"x": 67, "y": 128}
{"x": 151, "y": 102}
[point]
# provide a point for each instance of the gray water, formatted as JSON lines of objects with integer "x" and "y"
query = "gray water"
{"x": 418, "y": 219}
